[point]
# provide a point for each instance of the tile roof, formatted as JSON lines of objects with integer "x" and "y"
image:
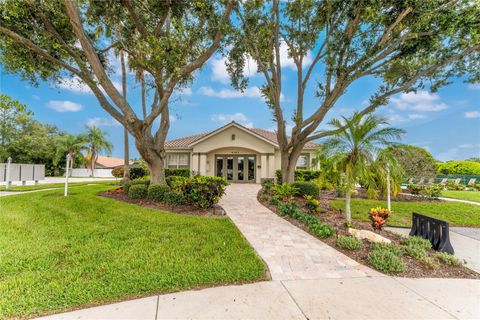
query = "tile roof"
{"x": 187, "y": 141}
{"x": 109, "y": 162}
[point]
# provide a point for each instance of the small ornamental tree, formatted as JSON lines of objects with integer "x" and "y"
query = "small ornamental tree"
{"x": 407, "y": 45}
{"x": 164, "y": 41}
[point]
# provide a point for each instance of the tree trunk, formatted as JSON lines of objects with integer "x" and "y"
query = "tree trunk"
{"x": 289, "y": 160}
{"x": 126, "y": 156}
{"x": 348, "y": 196}
{"x": 154, "y": 156}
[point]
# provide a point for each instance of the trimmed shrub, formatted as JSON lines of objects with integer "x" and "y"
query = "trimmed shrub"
{"x": 180, "y": 172}
{"x": 415, "y": 188}
{"x": 117, "y": 172}
{"x": 300, "y": 175}
{"x": 449, "y": 259}
{"x": 173, "y": 198}
{"x": 176, "y": 183}
{"x": 284, "y": 191}
{"x": 138, "y": 191}
{"x": 386, "y": 261}
{"x": 138, "y": 172}
{"x": 267, "y": 184}
{"x": 433, "y": 191}
{"x": 157, "y": 191}
{"x": 319, "y": 229}
{"x": 143, "y": 181}
{"x": 204, "y": 192}
{"x": 394, "y": 249}
{"x": 451, "y": 185}
{"x": 306, "y": 189}
{"x": 349, "y": 243}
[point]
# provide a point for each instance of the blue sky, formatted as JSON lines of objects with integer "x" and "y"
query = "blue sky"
{"x": 446, "y": 123}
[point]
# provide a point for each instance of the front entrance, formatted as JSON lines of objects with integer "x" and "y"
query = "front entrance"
{"x": 235, "y": 168}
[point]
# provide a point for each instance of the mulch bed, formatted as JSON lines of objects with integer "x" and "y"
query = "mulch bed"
{"x": 181, "y": 209}
{"x": 413, "y": 267}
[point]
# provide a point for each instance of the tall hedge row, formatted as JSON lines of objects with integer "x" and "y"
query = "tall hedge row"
{"x": 459, "y": 167}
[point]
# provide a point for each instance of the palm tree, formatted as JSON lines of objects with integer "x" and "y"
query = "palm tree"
{"x": 68, "y": 144}
{"x": 353, "y": 150}
{"x": 97, "y": 142}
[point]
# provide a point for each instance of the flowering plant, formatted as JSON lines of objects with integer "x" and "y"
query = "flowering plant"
{"x": 378, "y": 216}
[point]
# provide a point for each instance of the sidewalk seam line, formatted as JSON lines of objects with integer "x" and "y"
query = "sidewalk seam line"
{"x": 156, "y": 309}
{"x": 420, "y": 295}
{"x": 294, "y": 301}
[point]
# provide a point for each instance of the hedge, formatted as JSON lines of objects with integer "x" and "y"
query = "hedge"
{"x": 157, "y": 191}
{"x": 138, "y": 191}
{"x": 306, "y": 188}
{"x": 204, "y": 192}
{"x": 181, "y": 172}
{"x": 459, "y": 167}
{"x": 144, "y": 181}
{"x": 300, "y": 175}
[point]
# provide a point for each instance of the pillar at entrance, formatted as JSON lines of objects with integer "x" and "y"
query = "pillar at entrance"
{"x": 264, "y": 164}
{"x": 203, "y": 164}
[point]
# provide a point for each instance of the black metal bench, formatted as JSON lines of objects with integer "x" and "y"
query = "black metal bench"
{"x": 434, "y": 230}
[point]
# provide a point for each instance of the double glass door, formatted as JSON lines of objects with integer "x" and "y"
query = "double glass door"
{"x": 235, "y": 168}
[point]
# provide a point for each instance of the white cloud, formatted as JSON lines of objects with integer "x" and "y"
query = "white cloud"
{"x": 237, "y": 117}
{"x": 416, "y": 116}
{"x": 450, "y": 154}
{"x": 469, "y": 146}
{"x": 186, "y": 91}
{"x": 252, "y": 92}
{"x": 472, "y": 114}
{"x": 172, "y": 118}
{"x": 219, "y": 68}
{"x": 102, "y": 122}
{"x": 474, "y": 86}
{"x": 64, "y": 106}
{"x": 35, "y": 97}
{"x": 422, "y": 101}
{"x": 77, "y": 85}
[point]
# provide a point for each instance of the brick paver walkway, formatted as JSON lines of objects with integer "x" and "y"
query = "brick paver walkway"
{"x": 289, "y": 252}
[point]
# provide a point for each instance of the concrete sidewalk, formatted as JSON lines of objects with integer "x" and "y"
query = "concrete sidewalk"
{"x": 351, "y": 298}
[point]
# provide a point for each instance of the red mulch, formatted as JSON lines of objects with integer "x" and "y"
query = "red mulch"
{"x": 119, "y": 195}
{"x": 413, "y": 267}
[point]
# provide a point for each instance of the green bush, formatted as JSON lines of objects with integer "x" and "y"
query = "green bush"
{"x": 204, "y": 192}
{"x": 284, "y": 191}
{"x": 117, "y": 172}
{"x": 143, "y": 181}
{"x": 179, "y": 172}
{"x": 349, "y": 243}
{"x": 267, "y": 184}
{"x": 138, "y": 172}
{"x": 417, "y": 247}
{"x": 419, "y": 242}
{"x": 386, "y": 258}
{"x": 459, "y": 167}
{"x": 157, "y": 191}
{"x": 176, "y": 183}
{"x": 433, "y": 191}
{"x": 451, "y": 185}
{"x": 319, "y": 229}
{"x": 300, "y": 175}
{"x": 306, "y": 189}
{"x": 275, "y": 200}
{"x": 173, "y": 198}
{"x": 138, "y": 191}
{"x": 312, "y": 205}
{"x": 415, "y": 188}
{"x": 449, "y": 259}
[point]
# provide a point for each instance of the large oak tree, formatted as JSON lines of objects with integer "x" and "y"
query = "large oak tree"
{"x": 165, "y": 41}
{"x": 407, "y": 44}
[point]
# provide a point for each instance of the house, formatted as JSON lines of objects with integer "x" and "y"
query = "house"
{"x": 235, "y": 152}
{"x": 108, "y": 162}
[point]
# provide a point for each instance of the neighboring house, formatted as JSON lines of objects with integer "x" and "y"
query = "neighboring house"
{"x": 108, "y": 162}
{"x": 235, "y": 152}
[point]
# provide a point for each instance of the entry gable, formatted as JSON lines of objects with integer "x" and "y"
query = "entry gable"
{"x": 236, "y": 125}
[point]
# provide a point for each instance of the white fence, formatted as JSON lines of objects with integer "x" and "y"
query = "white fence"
{"x": 21, "y": 172}
{"x": 84, "y": 172}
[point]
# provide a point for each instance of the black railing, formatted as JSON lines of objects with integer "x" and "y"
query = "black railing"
{"x": 434, "y": 230}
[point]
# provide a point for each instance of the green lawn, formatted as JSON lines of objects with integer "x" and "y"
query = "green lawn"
{"x": 456, "y": 213}
{"x": 462, "y": 195}
{"x": 58, "y": 253}
{"x": 54, "y": 185}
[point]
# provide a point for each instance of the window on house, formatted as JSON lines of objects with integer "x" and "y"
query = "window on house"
{"x": 177, "y": 160}
{"x": 302, "y": 162}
